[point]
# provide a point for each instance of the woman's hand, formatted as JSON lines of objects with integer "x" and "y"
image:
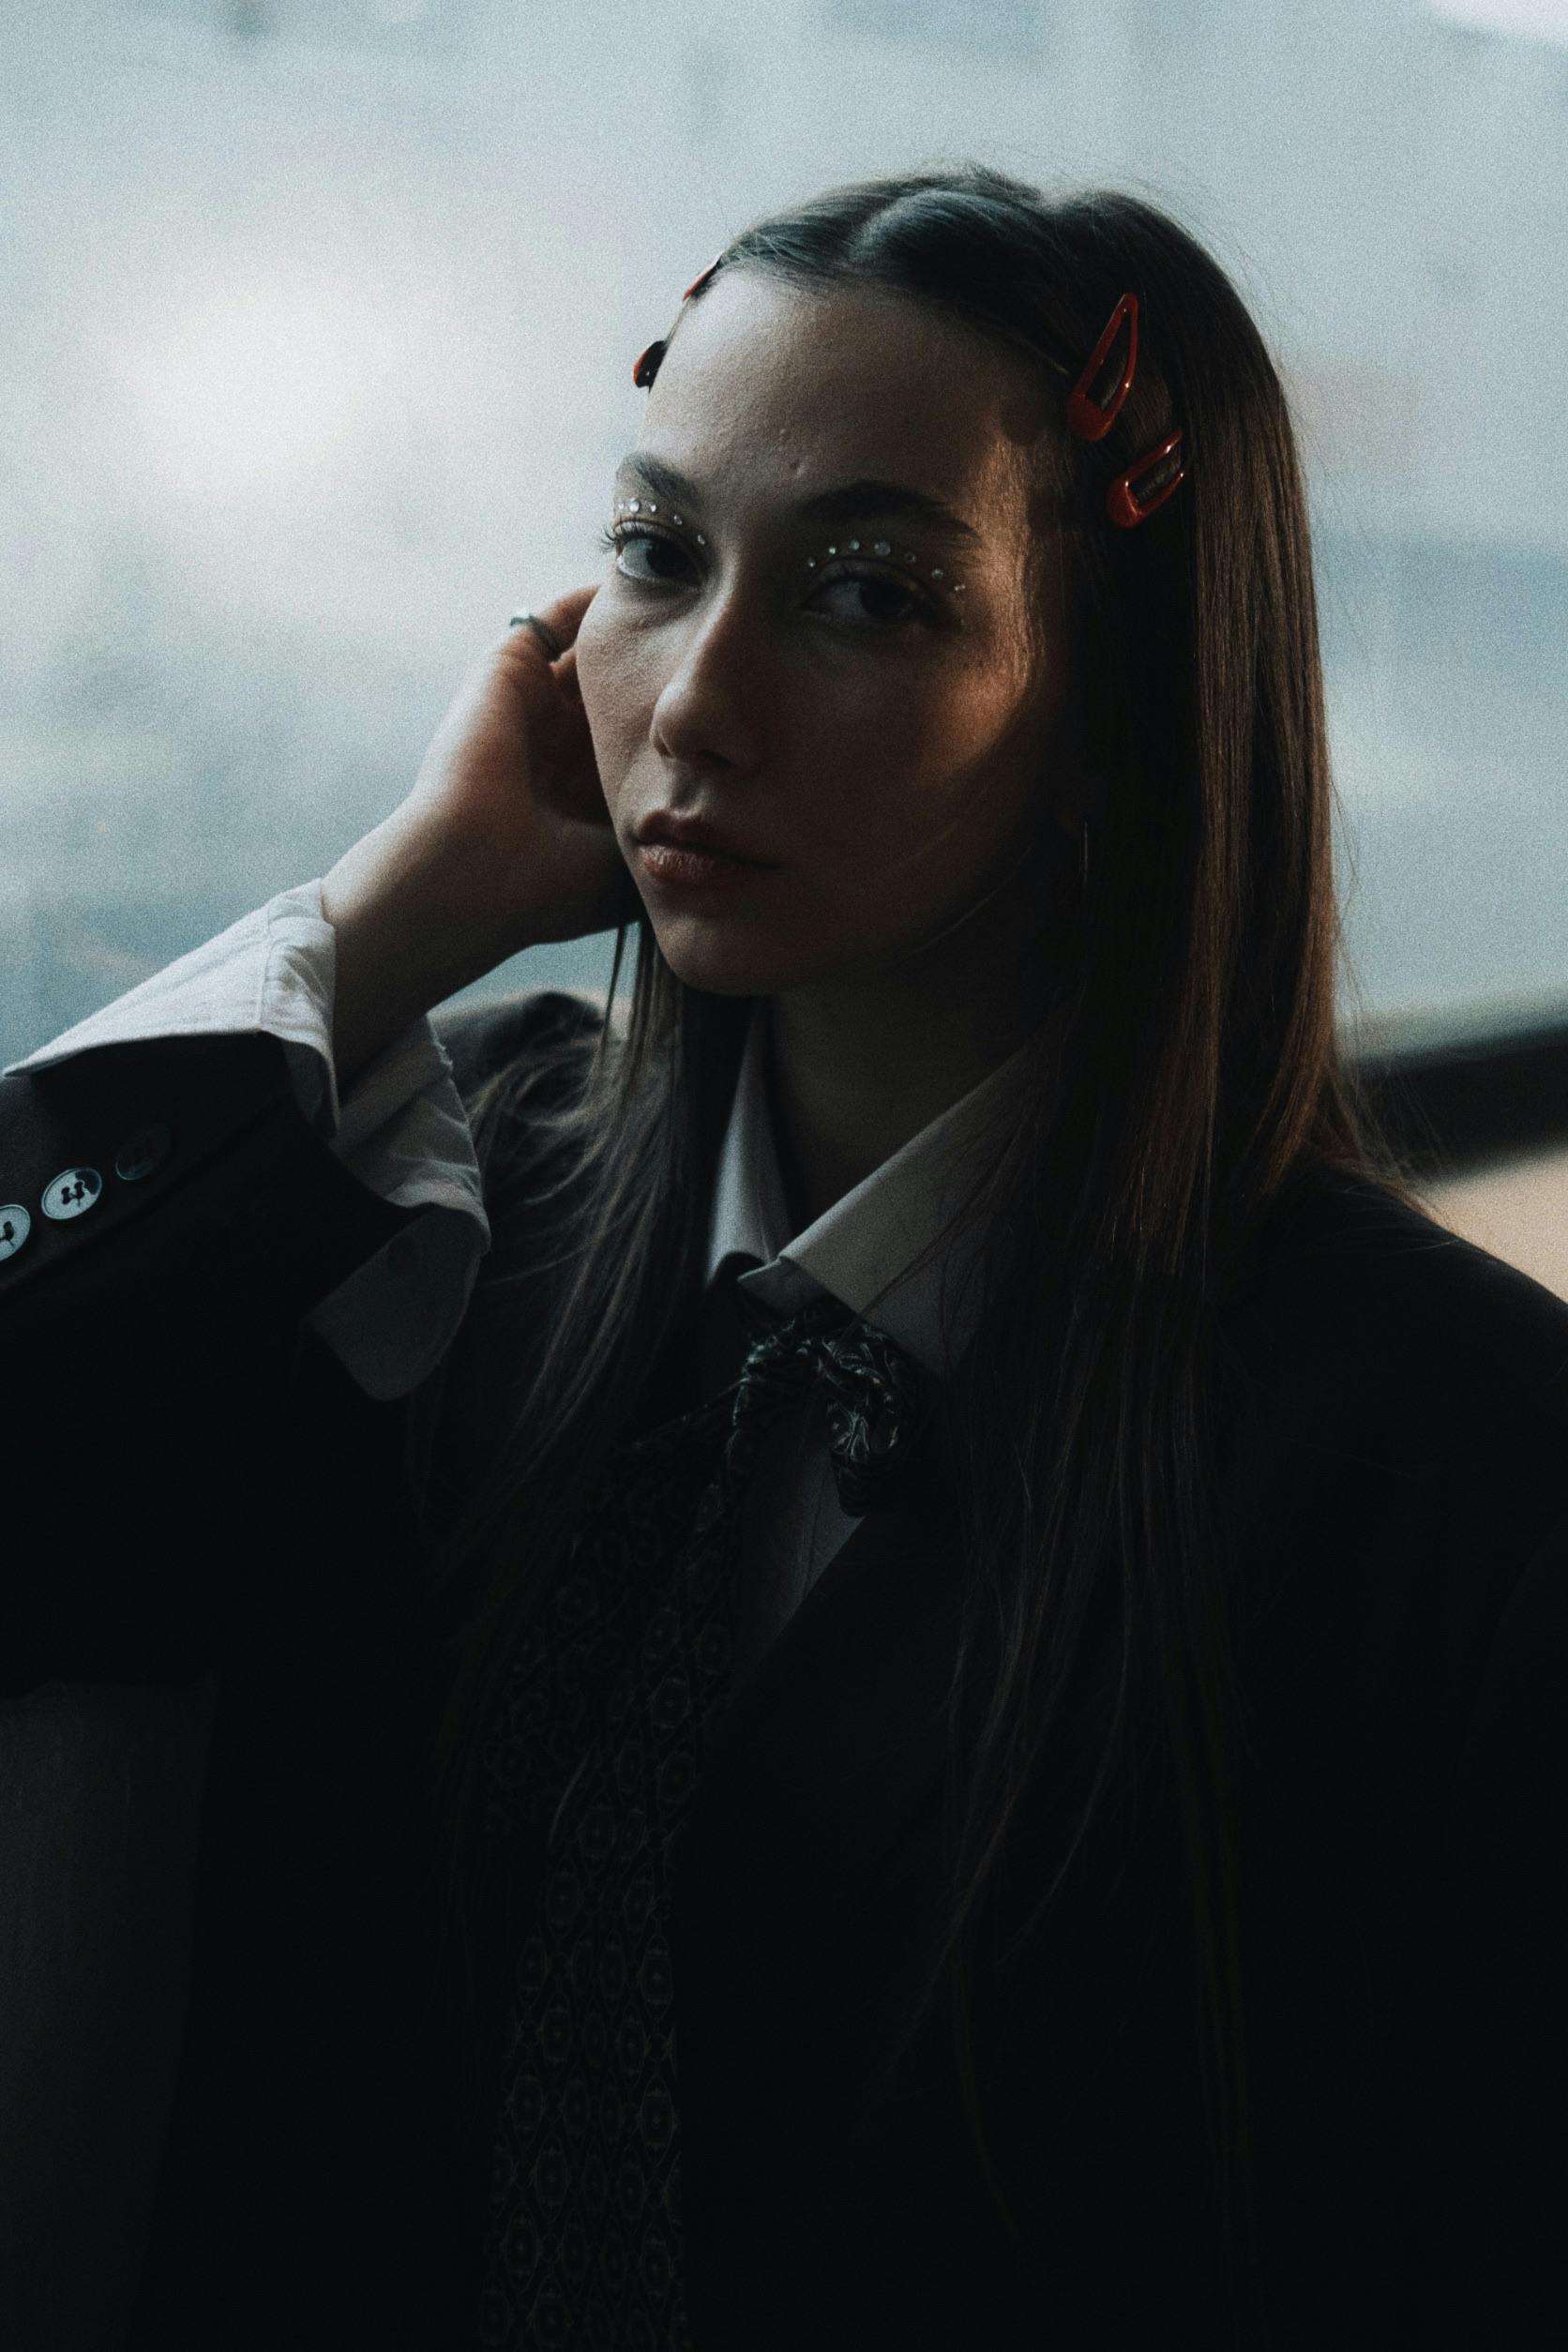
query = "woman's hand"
{"x": 505, "y": 842}
{"x": 510, "y": 788}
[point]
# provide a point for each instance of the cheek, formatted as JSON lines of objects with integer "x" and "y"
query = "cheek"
{"x": 595, "y": 670}
{"x": 884, "y": 748}
{"x": 614, "y": 699}
{"x": 920, "y": 768}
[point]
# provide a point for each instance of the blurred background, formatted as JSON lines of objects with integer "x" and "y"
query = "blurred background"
{"x": 315, "y": 356}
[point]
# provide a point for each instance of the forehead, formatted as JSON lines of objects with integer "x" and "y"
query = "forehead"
{"x": 767, "y": 390}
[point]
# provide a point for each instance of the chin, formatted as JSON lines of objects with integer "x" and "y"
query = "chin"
{"x": 720, "y": 958}
{"x": 717, "y": 974}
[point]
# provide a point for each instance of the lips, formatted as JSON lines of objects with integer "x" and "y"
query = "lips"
{"x": 694, "y": 834}
{"x": 697, "y": 869}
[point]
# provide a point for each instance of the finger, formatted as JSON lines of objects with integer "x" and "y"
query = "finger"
{"x": 564, "y": 673}
{"x": 562, "y": 615}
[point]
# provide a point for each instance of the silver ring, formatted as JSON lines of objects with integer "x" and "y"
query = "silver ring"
{"x": 541, "y": 629}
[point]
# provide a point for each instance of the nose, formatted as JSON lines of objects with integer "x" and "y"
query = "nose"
{"x": 719, "y": 702}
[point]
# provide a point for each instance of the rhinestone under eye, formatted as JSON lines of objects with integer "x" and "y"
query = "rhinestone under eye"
{"x": 882, "y": 548}
{"x": 635, "y": 507}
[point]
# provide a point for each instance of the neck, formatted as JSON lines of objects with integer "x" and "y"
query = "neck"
{"x": 857, "y": 1066}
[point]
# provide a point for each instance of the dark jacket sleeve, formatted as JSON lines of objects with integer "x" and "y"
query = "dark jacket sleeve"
{"x": 187, "y": 1457}
{"x": 147, "y": 1342}
{"x": 201, "y": 1499}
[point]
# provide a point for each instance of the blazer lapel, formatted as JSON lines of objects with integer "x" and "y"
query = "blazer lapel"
{"x": 824, "y": 1757}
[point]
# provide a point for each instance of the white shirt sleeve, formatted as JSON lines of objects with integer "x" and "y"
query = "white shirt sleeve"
{"x": 400, "y": 1130}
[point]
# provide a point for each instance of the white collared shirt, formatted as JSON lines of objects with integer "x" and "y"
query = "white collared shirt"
{"x": 865, "y": 1242}
{"x": 402, "y": 1131}
{"x": 794, "y": 1523}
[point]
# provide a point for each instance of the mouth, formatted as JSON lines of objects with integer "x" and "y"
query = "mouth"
{"x": 694, "y": 869}
{"x": 685, "y": 849}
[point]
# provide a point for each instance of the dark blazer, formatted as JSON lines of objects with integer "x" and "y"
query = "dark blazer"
{"x": 196, "y": 1484}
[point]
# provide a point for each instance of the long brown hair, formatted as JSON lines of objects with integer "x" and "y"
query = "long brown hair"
{"x": 1190, "y": 1070}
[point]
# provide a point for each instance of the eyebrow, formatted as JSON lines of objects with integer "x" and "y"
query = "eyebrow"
{"x": 846, "y": 501}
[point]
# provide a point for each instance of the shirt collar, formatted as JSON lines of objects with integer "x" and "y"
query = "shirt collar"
{"x": 867, "y": 1238}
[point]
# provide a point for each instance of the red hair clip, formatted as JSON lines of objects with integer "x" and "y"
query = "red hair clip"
{"x": 1096, "y": 402}
{"x": 645, "y": 367}
{"x": 1093, "y": 404}
{"x": 1126, "y": 510}
{"x": 702, "y": 279}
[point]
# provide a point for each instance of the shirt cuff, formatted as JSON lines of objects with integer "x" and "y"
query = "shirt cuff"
{"x": 404, "y": 1134}
{"x": 394, "y": 1318}
{"x": 400, "y": 1130}
{"x": 270, "y": 971}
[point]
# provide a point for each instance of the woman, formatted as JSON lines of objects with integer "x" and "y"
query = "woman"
{"x": 1039, "y": 1833}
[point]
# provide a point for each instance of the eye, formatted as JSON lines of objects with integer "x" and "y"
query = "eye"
{"x": 622, "y": 535}
{"x": 875, "y": 584}
{"x": 908, "y": 605}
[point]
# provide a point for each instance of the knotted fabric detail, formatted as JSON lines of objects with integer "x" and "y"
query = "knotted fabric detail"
{"x": 607, "y": 1720}
{"x": 877, "y": 1398}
